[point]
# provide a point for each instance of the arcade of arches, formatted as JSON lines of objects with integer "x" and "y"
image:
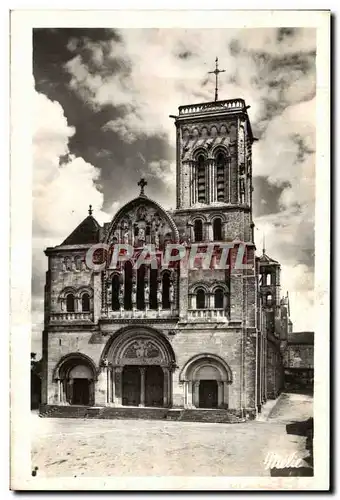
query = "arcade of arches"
{"x": 137, "y": 370}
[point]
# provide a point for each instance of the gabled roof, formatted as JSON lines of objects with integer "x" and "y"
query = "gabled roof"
{"x": 86, "y": 232}
{"x": 301, "y": 338}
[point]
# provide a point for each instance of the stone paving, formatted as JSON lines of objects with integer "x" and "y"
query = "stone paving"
{"x": 292, "y": 407}
{"x": 66, "y": 447}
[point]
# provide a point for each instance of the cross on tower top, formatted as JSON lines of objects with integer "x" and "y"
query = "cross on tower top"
{"x": 90, "y": 210}
{"x": 142, "y": 183}
{"x": 216, "y": 73}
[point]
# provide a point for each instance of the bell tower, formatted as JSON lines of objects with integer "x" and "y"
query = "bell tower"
{"x": 214, "y": 164}
{"x": 214, "y": 143}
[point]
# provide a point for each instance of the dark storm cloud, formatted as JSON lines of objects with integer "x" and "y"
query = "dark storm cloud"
{"x": 281, "y": 70}
{"x": 266, "y": 196}
{"x": 117, "y": 161}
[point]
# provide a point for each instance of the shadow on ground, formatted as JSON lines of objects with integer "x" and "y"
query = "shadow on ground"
{"x": 303, "y": 428}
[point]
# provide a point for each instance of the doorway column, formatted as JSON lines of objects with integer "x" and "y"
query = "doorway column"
{"x": 119, "y": 384}
{"x": 142, "y": 386}
{"x": 59, "y": 391}
{"x": 108, "y": 385}
{"x": 70, "y": 385}
{"x": 63, "y": 391}
{"x": 91, "y": 392}
{"x": 220, "y": 394}
{"x": 196, "y": 394}
{"x": 225, "y": 394}
{"x": 113, "y": 385}
{"x": 166, "y": 387}
{"x": 189, "y": 393}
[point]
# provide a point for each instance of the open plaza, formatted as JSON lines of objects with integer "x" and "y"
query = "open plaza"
{"x": 94, "y": 448}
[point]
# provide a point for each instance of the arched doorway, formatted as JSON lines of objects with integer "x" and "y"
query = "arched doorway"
{"x": 75, "y": 375}
{"x": 79, "y": 385}
{"x": 207, "y": 377}
{"x": 205, "y": 380}
{"x": 140, "y": 361}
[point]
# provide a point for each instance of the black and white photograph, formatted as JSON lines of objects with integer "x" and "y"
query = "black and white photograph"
{"x": 176, "y": 289}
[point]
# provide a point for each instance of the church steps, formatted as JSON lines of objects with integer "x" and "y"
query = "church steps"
{"x": 134, "y": 413}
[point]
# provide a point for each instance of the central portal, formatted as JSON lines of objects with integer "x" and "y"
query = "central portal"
{"x": 143, "y": 386}
{"x": 138, "y": 365}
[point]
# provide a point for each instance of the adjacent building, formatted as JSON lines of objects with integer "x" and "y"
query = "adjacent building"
{"x": 298, "y": 361}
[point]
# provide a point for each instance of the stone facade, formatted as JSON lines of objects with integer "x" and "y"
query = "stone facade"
{"x": 181, "y": 336}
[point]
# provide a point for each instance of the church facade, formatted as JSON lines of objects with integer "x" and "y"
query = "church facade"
{"x": 181, "y": 335}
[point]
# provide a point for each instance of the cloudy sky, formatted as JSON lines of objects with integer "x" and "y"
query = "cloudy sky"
{"x": 103, "y": 99}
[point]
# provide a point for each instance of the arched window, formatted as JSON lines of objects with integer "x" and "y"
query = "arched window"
{"x": 70, "y": 302}
{"x": 201, "y": 180}
{"x": 115, "y": 293}
{"x": 198, "y": 230}
{"x": 153, "y": 288}
{"x": 85, "y": 302}
{"x": 268, "y": 279}
{"x": 200, "y": 299}
{"x": 269, "y": 299}
{"x": 128, "y": 285}
{"x": 165, "y": 291}
{"x": 140, "y": 287}
{"x": 68, "y": 263}
{"x": 218, "y": 298}
{"x": 78, "y": 261}
{"x": 217, "y": 229}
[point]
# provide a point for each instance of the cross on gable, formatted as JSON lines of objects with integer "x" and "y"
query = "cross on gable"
{"x": 142, "y": 183}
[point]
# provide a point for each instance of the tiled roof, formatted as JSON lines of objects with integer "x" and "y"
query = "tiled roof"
{"x": 86, "y": 232}
{"x": 265, "y": 259}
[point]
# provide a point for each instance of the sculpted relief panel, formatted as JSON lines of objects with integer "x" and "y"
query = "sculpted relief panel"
{"x": 142, "y": 351}
{"x": 140, "y": 225}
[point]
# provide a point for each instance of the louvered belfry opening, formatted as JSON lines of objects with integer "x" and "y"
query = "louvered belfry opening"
{"x": 201, "y": 180}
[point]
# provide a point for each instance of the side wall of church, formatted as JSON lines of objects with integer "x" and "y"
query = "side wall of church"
{"x": 274, "y": 371}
